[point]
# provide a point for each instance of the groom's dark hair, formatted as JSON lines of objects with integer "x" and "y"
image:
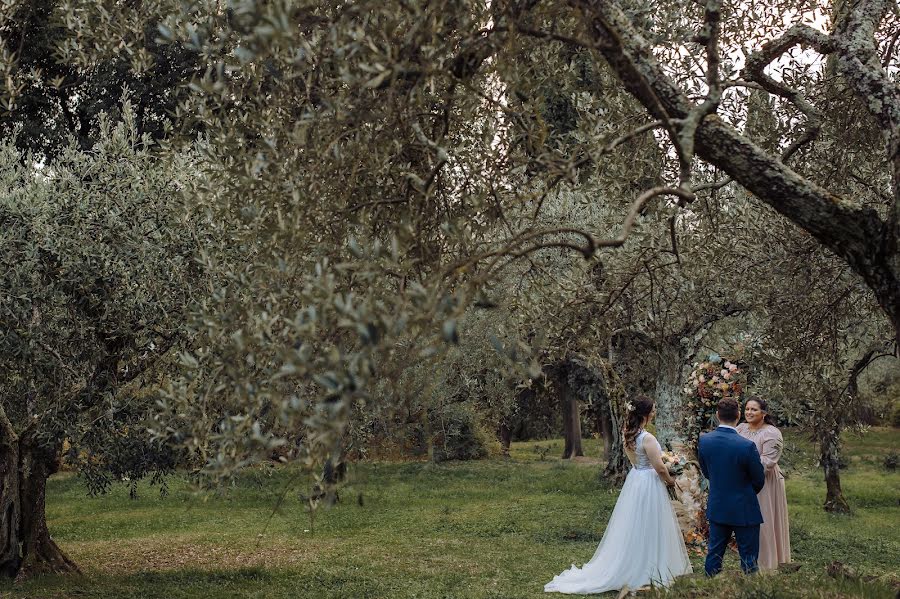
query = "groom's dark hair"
{"x": 728, "y": 410}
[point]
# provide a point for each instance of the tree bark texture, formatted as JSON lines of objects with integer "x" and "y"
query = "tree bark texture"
{"x": 505, "y": 434}
{"x": 604, "y": 425}
{"x": 571, "y": 421}
{"x": 830, "y": 458}
{"x": 27, "y": 549}
{"x": 10, "y": 557}
{"x": 669, "y": 395}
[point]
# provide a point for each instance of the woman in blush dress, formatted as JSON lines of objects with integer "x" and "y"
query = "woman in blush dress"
{"x": 774, "y": 533}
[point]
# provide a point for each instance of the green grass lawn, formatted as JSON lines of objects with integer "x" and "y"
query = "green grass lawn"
{"x": 495, "y": 528}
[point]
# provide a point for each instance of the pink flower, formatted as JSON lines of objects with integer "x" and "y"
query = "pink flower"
{"x": 727, "y": 374}
{"x": 732, "y": 367}
{"x": 724, "y": 372}
{"x": 702, "y": 379}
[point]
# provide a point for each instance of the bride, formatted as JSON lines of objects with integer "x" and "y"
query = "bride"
{"x": 642, "y": 544}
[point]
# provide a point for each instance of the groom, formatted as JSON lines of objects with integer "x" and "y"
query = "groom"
{"x": 736, "y": 475}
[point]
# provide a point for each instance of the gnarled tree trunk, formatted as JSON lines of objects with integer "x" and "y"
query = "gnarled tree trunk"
{"x": 604, "y": 425}
{"x": 587, "y": 380}
{"x": 830, "y": 458}
{"x": 10, "y": 556}
{"x": 40, "y": 553}
{"x": 624, "y": 378}
{"x": 617, "y": 464}
{"x": 571, "y": 418}
{"x": 25, "y": 465}
{"x": 669, "y": 394}
{"x": 650, "y": 367}
{"x": 505, "y": 434}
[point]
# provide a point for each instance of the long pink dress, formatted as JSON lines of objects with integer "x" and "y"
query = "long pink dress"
{"x": 774, "y": 533}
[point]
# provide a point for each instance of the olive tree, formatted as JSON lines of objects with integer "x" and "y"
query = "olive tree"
{"x": 97, "y": 273}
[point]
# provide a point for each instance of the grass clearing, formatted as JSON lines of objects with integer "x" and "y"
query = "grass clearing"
{"x": 490, "y": 529}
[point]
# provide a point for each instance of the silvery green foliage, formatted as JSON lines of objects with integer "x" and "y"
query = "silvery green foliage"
{"x": 370, "y": 165}
{"x": 821, "y": 329}
{"x": 406, "y": 213}
{"x": 97, "y": 274}
{"x": 819, "y": 324}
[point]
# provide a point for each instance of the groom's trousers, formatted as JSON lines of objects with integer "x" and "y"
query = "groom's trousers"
{"x": 747, "y": 538}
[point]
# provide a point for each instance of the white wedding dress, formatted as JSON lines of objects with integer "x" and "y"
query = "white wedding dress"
{"x": 642, "y": 544}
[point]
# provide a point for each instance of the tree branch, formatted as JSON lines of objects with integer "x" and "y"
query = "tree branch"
{"x": 637, "y": 207}
{"x": 845, "y": 228}
{"x": 754, "y": 70}
{"x": 873, "y": 354}
{"x": 585, "y": 160}
{"x": 709, "y": 36}
{"x": 551, "y": 35}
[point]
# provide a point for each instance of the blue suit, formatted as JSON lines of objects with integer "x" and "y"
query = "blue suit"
{"x": 736, "y": 475}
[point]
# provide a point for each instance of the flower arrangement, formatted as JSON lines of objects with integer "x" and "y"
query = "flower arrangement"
{"x": 688, "y": 500}
{"x": 709, "y": 382}
{"x": 675, "y": 464}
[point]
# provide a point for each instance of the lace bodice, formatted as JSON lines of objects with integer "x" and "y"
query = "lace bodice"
{"x": 643, "y": 462}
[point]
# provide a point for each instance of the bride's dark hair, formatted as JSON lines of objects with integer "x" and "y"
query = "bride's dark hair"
{"x": 638, "y": 409}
